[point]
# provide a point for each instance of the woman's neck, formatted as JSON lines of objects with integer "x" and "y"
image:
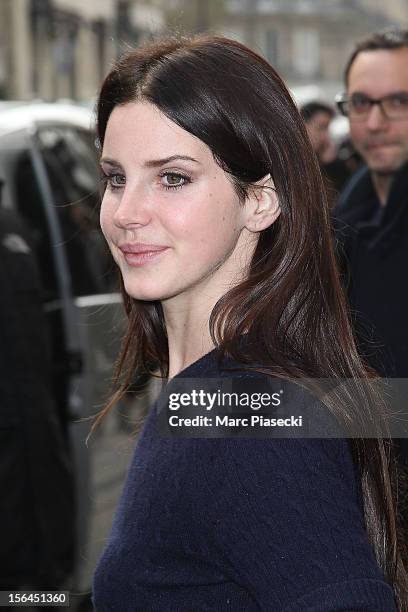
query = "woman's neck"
{"x": 187, "y": 315}
{"x": 188, "y": 335}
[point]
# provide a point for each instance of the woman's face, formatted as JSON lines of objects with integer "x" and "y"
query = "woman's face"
{"x": 170, "y": 214}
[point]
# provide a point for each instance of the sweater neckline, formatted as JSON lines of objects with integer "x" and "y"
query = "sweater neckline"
{"x": 197, "y": 366}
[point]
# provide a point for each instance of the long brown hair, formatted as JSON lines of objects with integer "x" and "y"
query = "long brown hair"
{"x": 291, "y": 303}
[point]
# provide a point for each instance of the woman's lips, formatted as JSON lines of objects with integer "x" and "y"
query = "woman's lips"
{"x": 140, "y": 254}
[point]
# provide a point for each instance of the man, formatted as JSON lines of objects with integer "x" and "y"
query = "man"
{"x": 372, "y": 212}
{"x": 371, "y": 217}
{"x": 37, "y": 499}
{"x": 317, "y": 117}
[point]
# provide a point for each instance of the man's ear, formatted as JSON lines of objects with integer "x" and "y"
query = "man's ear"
{"x": 262, "y": 205}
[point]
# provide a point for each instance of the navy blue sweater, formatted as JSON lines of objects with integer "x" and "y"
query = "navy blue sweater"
{"x": 239, "y": 525}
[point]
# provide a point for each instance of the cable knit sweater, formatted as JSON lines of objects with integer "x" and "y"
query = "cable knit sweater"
{"x": 239, "y": 525}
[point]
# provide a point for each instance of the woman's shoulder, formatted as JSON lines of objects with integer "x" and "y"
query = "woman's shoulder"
{"x": 258, "y": 390}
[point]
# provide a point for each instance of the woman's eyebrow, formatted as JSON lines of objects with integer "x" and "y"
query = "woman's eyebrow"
{"x": 109, "y": 162}
{"x": 151, "y": 163}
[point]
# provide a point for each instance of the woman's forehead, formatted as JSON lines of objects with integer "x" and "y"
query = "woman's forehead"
{"x": 141, "y": 128}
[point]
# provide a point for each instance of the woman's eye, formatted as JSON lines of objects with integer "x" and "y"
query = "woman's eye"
{"x": 114, "y": 180}
{"x": 174, "y": 180}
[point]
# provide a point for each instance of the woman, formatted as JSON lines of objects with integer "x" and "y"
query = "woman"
{"x": 214, "y": 212}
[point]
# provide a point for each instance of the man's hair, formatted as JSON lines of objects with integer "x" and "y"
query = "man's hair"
{"x": 389, "y": 38}
{"x": 309, "y": 110}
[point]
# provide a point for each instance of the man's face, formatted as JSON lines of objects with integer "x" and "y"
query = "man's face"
{"x": 383, "y": 143}
{"x": 318, "y": 131}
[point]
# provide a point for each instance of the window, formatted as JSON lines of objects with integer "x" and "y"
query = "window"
{"x": 30, "y": 206}
{"x": 306, "y": 51}
{"x": 271, "y": 46}
{"x": 70, "y": 159}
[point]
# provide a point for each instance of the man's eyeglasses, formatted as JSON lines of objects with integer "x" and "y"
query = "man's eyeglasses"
{"x": 358, "y": 106}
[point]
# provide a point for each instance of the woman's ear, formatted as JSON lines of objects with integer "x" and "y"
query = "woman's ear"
{"x": 262, "y": 205}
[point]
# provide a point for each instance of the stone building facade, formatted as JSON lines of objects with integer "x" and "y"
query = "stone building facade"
{"x": 309, "y": 40}
{"x": 55, "y": 49}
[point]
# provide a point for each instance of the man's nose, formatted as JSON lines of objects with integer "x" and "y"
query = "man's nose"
{"x": 134, "y": 209}
{"x": 376, "y": 119}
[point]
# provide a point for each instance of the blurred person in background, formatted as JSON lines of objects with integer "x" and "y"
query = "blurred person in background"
{"x": 37, "y": 508}
{"x": 371, "y": 216}
{"x": 318, "y": 117}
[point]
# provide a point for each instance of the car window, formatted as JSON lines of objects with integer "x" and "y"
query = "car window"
{"x": 70, "y": 159}
{"x": 30, "y": 205}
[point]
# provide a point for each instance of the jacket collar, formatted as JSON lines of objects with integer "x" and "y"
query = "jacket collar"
{"x": 359, "y": 201}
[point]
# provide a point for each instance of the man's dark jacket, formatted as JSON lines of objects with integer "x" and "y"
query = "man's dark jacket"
{"x": 372, "y": 243}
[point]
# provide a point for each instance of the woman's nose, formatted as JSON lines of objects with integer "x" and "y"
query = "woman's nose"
{"x": 133, "y": 209}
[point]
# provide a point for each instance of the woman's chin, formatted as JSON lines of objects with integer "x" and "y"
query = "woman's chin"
{"x": 146, "y": 293}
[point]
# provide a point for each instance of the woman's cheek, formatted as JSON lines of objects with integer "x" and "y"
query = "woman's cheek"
{"x": 106, "y": 218}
